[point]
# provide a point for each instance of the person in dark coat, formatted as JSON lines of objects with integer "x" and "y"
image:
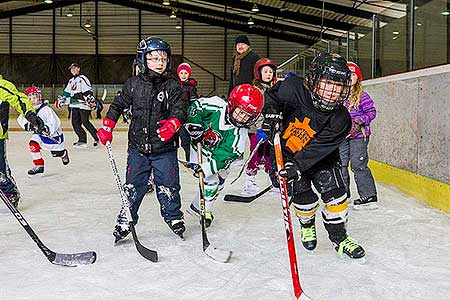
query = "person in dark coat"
{"x": 243, "y": 63}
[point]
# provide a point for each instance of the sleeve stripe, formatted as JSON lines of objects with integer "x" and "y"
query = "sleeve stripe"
{"x": 22, "y": 104}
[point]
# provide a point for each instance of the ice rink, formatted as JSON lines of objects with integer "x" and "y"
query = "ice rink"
{"x": 73, "y": 208}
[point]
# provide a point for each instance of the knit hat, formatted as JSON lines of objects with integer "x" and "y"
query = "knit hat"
{"x": 242, "y": 39}
{"x": 186, "y": 67}
{"x": 355, "y": 69}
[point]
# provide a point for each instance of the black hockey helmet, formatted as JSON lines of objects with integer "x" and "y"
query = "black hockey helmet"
{"x": 328, "y": 75}
{"x": 150, "y": 44}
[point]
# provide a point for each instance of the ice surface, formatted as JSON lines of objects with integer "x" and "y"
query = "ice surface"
{"x": 73, "y": 208}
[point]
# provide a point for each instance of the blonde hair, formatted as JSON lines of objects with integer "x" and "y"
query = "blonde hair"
{"x": 355, "y": 95}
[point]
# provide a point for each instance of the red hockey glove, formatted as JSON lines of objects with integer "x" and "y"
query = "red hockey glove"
{"x": 105, "y": 133}
{"x": 168, "y": 128}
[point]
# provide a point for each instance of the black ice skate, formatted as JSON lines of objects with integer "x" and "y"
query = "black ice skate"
{"x": 351, "y": 248}
{"x": 14, "y": 199}
{"x": 36, "y": 170}
{"x": 65, "y": 157}
{"x": 308, "y": 236}
{"x": 364, "y": 203}
{"x": 177, "y": 227}
{"x": 209, "y": 217}
{"x": 120, "y": 232}
{"x": 122, "y": 228}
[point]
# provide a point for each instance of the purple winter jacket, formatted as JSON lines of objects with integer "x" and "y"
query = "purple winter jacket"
{"x": 366, "y": 111}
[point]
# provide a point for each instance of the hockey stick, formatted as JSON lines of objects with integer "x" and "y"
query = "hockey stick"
{"x": 244, "y": 166}
{"x": 298, "y": 291}
{"x": 49, "y": 137}
{"x": 104, "y": 95}
{"x": 60, "y": 259}
{"x": 246, "y": 199}
{"x": 149, "y": 254}
{"x": 216, "y": 254}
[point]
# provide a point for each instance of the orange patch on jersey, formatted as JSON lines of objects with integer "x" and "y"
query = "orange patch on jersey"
{"x": 298, "y": 134}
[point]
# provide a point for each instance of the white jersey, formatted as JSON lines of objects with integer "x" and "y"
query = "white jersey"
{"x": 52, "y": 121}
{"x": 78, "y": 87}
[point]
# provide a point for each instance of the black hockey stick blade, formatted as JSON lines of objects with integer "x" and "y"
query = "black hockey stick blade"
{"x": 246, "y": 199}
{"x": 148, "y": 254}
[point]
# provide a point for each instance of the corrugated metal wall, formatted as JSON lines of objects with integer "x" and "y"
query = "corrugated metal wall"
{"x": 118, "y": 34}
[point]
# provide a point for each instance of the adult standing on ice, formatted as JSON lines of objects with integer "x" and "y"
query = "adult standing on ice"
{"x": 81, "y": 100}
{"x": 158, "y": 110}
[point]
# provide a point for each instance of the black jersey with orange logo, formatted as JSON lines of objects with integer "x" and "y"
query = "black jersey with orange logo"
{"x": 309, "y": 136}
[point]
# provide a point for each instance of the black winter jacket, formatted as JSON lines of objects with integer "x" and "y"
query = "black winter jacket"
{"x": 153, "y": 97}
{"x": 310, "y": 137}
{"x": 245, "y": 71}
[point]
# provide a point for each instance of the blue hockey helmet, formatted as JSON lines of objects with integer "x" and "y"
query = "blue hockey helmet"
{"x": 150, "y": 44}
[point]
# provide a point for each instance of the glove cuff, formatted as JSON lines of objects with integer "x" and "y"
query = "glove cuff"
{"x": 175, "y": 122}
{"x": 108, "y": 124}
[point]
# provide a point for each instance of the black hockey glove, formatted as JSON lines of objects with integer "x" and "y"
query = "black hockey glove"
{"x": 29, "y": 127}
{"x": 37, "y": 123}
{"x": 290, "y": 172}
{"x": 271, "y": 124}
{"x": 195, "y": 132}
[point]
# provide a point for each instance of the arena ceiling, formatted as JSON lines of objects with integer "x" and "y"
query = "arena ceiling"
{"x": 302, "y": 21}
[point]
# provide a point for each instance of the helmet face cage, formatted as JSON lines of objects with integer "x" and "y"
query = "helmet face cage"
{"x": 35, "y": 95}
{"x": 148, "y": 45}
{"x": 245, "y": 105}
{"x": 329, "y": 81}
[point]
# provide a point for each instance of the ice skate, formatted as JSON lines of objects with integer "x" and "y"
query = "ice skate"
{"x": 177, "y": 226}
{"x": 209, "y": 217}
{"x": 65, "y": 157}
{"x": 36, "y": 170}
{"x": 14, "y": 199}
{"x": 351, "y": 248}
{"x": 80, "y": 145}
{"x": 250, "y": 187}
{"x": 364, "y": 203}
{"x": 122, "y": 228}
{"x": 308, "y": 236}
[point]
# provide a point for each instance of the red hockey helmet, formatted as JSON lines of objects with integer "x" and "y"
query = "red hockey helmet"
{"x": 34, "y": 90}
{"x": 245, "y": 105}
{"x": 261, "y": 63}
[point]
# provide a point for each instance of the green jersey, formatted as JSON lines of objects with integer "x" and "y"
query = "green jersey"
{"x": 222, "y": 141}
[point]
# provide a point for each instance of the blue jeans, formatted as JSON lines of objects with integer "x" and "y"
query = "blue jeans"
{"x": 7, "y": 183}
{"x": 355, "y": 152}
{"x": 166, "y": 179}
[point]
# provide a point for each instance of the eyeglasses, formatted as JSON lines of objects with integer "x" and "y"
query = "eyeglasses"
{"x": 157, "y": 59}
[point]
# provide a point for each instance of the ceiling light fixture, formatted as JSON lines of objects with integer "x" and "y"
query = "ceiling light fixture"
{"x": 87, "y": 24}
{"x": 48, "y": 1}
{"x": 250, "y": 21}
{"x": 166, "y": 2}
{"x": 173, "y": 15}
{"x": 445, "y": 13}
{"x": 178, "y": 26}
{"x": 419, "y": 24}
{"x": 255, "y": 8}
{"x": 69, "y": 14}
{"x": 395, "y": 32}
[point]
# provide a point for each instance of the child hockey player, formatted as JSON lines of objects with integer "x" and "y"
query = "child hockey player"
{"x": 158, "y": 110}
{"x": 265, "y": 78}
{"x": 10, "y": 96}
{"x": 55, "y": 144}
{"x": 354, "y": 148}
{"x": 221, "y": 128}
{"x": 189, "y": 86}
{"x": 313, "y": 125}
